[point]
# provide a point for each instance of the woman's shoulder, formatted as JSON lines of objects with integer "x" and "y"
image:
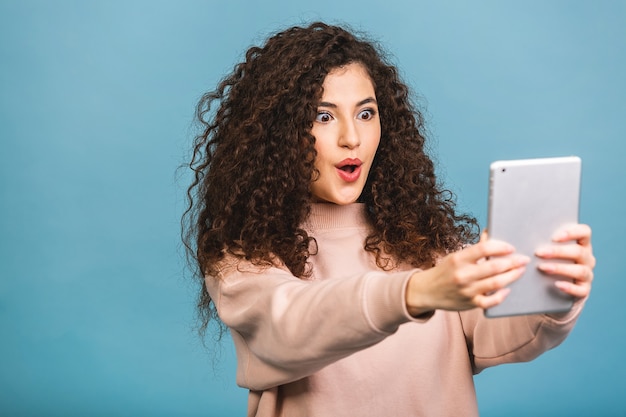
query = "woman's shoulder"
{"x": 234, "y": 263}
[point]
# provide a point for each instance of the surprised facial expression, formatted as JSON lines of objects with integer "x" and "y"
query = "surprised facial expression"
{"x": 347, "y": 134}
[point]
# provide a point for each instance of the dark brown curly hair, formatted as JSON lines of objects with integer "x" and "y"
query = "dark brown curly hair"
{"x": 254, "y": 162}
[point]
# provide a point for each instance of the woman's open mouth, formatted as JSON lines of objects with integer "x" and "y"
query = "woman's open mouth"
{"x": 349, "y": 169}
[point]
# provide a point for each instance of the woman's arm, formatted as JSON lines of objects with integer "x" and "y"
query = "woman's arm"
{"x": 286, "y": 328}
{"x": 466, "y": 282}
{"x": 469, "y": 278}
{"x": 494, "y": 341}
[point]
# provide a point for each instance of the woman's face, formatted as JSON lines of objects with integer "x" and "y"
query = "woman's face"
{"x": 347, "y": 134}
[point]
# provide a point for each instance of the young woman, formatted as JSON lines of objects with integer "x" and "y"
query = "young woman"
{"x": 348, "y": 281}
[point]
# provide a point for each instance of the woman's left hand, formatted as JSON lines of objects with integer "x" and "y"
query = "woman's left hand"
{"x": 579, "y": 274}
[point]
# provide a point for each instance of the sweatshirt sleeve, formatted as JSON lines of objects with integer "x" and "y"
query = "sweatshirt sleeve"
{"x": 494, "y": 341}
{"x": 285, "y": 328}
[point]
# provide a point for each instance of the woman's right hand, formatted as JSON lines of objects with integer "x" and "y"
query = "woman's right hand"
{"x": 476, "y": 276}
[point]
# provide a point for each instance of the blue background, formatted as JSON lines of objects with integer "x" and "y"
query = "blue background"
{"x": 96, "y": 106}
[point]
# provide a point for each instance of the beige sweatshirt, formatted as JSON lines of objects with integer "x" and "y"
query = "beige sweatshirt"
{"x": 343, "y": 344}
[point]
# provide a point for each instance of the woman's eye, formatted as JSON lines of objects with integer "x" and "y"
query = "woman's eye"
{"x": 366, "y": 114}
{"x": 323, "y": 117}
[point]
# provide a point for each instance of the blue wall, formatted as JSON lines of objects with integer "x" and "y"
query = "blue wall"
{"x": 96, "y": 105}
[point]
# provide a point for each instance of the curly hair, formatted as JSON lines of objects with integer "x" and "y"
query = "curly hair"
{"x": 253, "y": 163}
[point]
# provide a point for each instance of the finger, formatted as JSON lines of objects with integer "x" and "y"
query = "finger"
{"x": 569, "y": 252}
{"x": 573, "y": 289}
{"x": 499, "y": 265}
{"x": 577, "y": 272}
{"x": 574, "y": 252}
{"x": 485, "y": 249}
{"x": 498, "y": 282}
{"x": 581, "y": 233}
{"x": 475, "y": 272}
{"x": 491, "y": 300}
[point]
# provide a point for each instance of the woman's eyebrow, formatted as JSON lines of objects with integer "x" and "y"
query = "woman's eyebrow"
{"x": 360, "y": 103}
{"x": 366, "y": 101}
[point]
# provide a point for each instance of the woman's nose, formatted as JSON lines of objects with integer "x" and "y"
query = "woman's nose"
{"x": 349, "y": 136}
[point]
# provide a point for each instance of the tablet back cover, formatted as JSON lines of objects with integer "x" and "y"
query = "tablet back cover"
{"x": 529, "y": 200}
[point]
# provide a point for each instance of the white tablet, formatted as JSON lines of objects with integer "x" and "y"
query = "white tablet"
{"x": 529, "y": 199}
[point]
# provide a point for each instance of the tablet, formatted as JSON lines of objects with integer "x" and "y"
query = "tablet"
{"x": 529, "y": 199}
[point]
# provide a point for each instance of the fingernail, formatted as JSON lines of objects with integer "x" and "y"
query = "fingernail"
{"x": 546, "y": 268}
{"x": 563, "y": 285}
{"x": 523, "y": 260}
{"x": 560, "y": 235}
{"x": 544, "y": 251}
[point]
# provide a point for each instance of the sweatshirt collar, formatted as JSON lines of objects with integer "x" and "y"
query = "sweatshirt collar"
{"x": 332, "y": 216}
